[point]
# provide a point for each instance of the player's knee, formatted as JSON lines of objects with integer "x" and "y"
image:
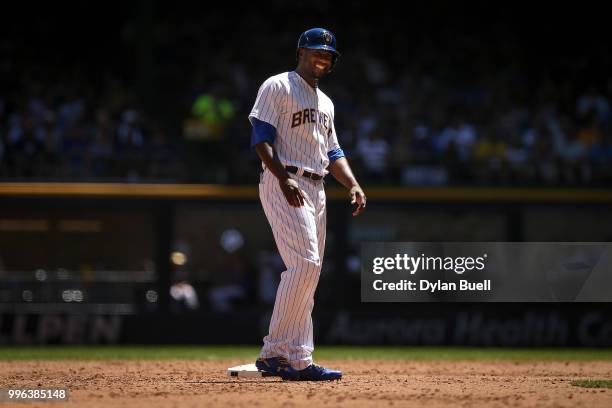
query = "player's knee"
{"x": 312, "y": 262}
{"x": 300, "y": 259}
{"x": 311, "y": 255}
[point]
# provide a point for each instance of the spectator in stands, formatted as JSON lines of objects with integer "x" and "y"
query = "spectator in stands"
{"x": 101, "y": 151}
{"x": 481, "y": 109}
{"x": 592, "y": 102}
{"x": 27, "y": 150}
{"x": 373, "y": 151}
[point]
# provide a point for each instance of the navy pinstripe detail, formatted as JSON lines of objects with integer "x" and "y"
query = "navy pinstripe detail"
{"x": 299, "y": 233}
{"x": 291, "y": 326}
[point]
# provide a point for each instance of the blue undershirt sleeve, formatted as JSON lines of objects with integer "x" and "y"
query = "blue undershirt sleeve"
{"x": 262, "y": 131}
{"x": 335, "y": 154}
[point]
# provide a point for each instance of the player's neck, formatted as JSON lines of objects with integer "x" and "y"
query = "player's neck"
{"x": 313, "y": 82}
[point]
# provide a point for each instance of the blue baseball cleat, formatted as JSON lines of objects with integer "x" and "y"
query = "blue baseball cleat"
{"x": 277, "y": 366}
{"x": 317, "y": 373}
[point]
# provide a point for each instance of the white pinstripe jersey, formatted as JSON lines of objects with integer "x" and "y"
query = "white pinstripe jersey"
{"x": 304, "y": 120}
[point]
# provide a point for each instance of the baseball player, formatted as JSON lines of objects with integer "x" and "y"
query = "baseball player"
{"x": 294, "y": 135}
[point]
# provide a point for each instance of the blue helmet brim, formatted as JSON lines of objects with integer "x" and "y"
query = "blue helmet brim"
{"x": 324, "y": 48}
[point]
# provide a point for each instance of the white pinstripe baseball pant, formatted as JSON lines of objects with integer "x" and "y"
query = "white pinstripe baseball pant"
{"x": 299, "y": 233}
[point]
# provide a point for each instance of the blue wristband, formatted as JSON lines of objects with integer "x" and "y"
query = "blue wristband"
{"x": 335, "y": 154}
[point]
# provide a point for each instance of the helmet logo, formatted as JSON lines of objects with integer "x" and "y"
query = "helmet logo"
{"x": 327, "y": 37}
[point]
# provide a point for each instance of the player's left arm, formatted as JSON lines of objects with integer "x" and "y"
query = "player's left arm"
{"x": 341, "y": 170}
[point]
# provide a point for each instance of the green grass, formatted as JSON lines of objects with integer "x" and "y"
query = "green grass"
{"x": 249, "y": 353}
{"x": 593, "y": 383}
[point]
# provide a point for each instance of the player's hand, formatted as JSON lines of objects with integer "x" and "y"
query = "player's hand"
{"x": 292, "y": 192}
{"x": 358, "y": 198}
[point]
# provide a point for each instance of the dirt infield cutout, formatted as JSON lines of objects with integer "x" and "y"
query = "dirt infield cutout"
{"x": 366, "y": 383}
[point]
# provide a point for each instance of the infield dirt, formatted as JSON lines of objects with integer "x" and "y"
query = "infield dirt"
{"x": 366, "y": 383}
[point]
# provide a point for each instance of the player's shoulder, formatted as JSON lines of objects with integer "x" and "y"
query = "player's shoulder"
{"x": 277, "y": 82}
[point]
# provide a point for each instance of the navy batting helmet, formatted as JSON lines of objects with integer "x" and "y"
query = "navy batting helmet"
{"x": 319, "y": 39}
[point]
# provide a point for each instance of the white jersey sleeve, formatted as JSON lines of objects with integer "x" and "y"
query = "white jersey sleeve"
{"x": 267, "y": 103}
{"x": 333, "y": 143}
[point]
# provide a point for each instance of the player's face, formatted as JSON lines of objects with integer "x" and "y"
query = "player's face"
{"x": 318, "y": 62}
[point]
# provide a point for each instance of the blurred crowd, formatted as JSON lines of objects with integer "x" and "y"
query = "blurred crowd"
{"x": 66, "y": 132}
{"x": 445, "y": 105}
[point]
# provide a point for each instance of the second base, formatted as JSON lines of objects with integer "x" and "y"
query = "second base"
{"x": 246, "y": 371}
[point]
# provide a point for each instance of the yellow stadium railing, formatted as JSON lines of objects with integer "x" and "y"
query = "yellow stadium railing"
{"x": 221, "y": 192}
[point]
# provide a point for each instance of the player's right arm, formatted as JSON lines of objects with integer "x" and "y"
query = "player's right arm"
{"x": 290, "y": 188}
{"x": 264, "y": 118}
